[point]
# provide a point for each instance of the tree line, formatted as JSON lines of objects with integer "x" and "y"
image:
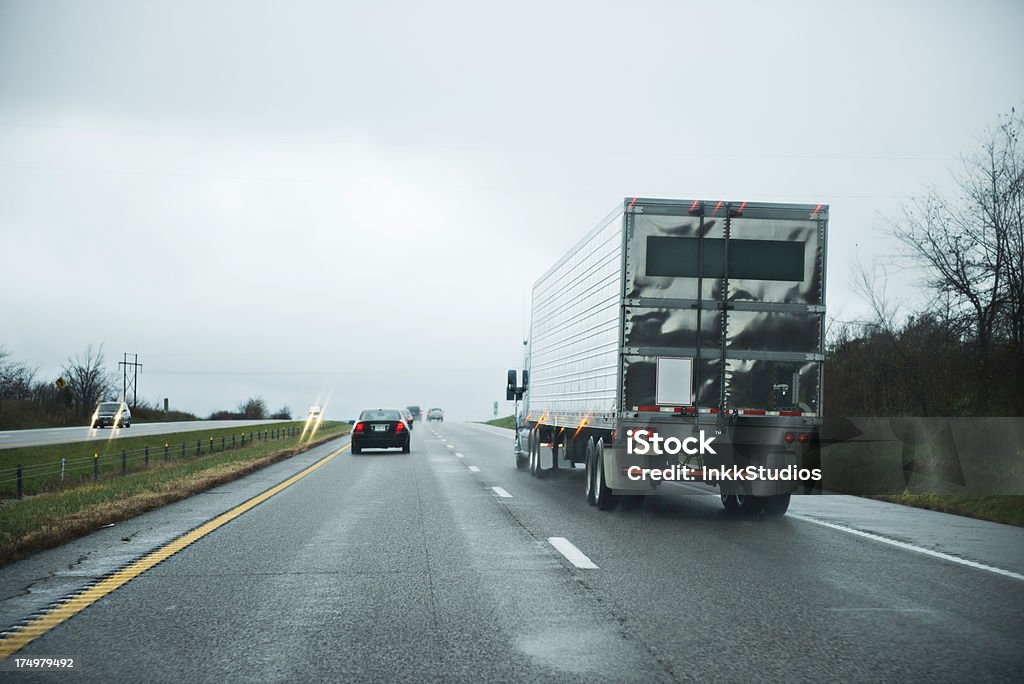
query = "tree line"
{"x": 962, "y": 352}
{"x": 26, "y": 400}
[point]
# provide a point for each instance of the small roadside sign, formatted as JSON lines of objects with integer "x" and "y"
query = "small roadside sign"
{"x": 60, "y": 383}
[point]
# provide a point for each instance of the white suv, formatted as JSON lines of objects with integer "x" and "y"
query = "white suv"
{"x": 111, "y": 414}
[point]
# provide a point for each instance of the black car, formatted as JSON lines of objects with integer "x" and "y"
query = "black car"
{"x": 380, "y": 429}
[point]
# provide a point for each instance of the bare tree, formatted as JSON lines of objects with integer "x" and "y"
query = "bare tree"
{"x": 16, "y": 379}
{"x": 254, "y": 407}
{"x": 87, "y": 380}
{"x": 972, "y": 250}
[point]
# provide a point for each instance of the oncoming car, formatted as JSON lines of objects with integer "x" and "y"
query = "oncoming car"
{"x": 111, "y": 414}
{"x": 435, "y": 414}
{"x": 380, "y": 429}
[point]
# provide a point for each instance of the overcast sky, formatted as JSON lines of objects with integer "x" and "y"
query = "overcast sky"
{"x": 298, "y": 200}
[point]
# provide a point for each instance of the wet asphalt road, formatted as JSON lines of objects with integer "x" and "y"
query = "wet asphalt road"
{"x": 390, "y": 567}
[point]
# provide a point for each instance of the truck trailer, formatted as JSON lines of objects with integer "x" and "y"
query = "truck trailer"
{"x": 681, "y": 341}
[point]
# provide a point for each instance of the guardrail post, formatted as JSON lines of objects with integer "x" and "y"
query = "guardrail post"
{"x": 183, "y": 450}
{"x": 232, "y": 441}
{"x": 211, "y": 445}
{"x": 222, "y": 442}
{"x": 166, "y": 447}
{"x": 147, "y": 457}
{"x": 62, "y": 469}
{"x": 95, "y": 466}
{"x": 19, "y": 481}
{"x": 197, "y": 446}
{"x": 124, "y": 463}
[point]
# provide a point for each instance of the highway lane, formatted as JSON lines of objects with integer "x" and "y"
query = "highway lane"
{"x": 10, "y": 439}
{"x": 437, "y": 566}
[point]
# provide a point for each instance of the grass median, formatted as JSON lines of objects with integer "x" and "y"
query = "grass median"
{"x": 55, "y": 516}
{"x": 1007, "y": 509}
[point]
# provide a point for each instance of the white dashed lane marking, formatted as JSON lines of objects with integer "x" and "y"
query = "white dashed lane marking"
{"x": 474, "y": 469}
{"x": 501, "y": 492}
{"x": 574, "y": 555}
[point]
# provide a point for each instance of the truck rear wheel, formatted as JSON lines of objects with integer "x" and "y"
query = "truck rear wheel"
{"x": 590, "y": 470}
{"x": 742, "y": 503}
{"x": 776, "y": 505}
{"x": 521, "y": 461}
{"x": 603, "y": 497}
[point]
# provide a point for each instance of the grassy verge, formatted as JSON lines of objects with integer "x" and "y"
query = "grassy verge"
{"x": 506, "y": 422}
{"x": 52, "y": 518}
{"x": 1002, "y": 509}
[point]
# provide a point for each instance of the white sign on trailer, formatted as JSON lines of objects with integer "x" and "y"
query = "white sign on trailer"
{"x": 674, "y": 381}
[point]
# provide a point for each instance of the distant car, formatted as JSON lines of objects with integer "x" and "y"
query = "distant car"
{"x": 415, "y": 411}
{"x": 435, "y": 414}
{"x": 407, "y": 414}
{"x": 380, "y": 429}
{"x": 111, "y": 414}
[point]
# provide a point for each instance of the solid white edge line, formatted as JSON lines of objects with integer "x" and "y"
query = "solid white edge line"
{"x": 501, "y": 492}
{"x": 574, "y": 555}
{"x": 474, "y": 469}
{"x": 910, "y": 547}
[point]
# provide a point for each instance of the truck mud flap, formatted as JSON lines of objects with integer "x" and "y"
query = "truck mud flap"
{"x": 616, "y": 463}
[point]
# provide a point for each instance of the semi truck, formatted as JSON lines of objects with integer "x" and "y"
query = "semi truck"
{"x": 680, "y": 343}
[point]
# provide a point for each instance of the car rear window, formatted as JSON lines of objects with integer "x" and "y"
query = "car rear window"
{"x": 380, "y": 414}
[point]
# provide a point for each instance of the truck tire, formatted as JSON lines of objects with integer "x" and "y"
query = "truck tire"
{"x": 730, "y": 502}
{"x": 521, "y": 461}
{"x": 590, "y": 469}
{"x": 603, "y": 497}
{"x": 742, "y": 503}
{"x": 776, "y": 505}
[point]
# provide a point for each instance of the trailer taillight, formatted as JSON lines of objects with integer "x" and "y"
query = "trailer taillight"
{"x": 803, "y": 438}
{"x": 789, "y": 438}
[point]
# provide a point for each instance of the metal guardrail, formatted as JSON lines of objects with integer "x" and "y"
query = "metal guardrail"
{"x": 67, "y": 472}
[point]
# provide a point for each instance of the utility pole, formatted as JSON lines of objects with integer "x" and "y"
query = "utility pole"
{"x": 134, "y": 384}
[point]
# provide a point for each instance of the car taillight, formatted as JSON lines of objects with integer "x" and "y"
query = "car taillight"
{"x": 399, "y": 426}
{"x": 359, "y": 427}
